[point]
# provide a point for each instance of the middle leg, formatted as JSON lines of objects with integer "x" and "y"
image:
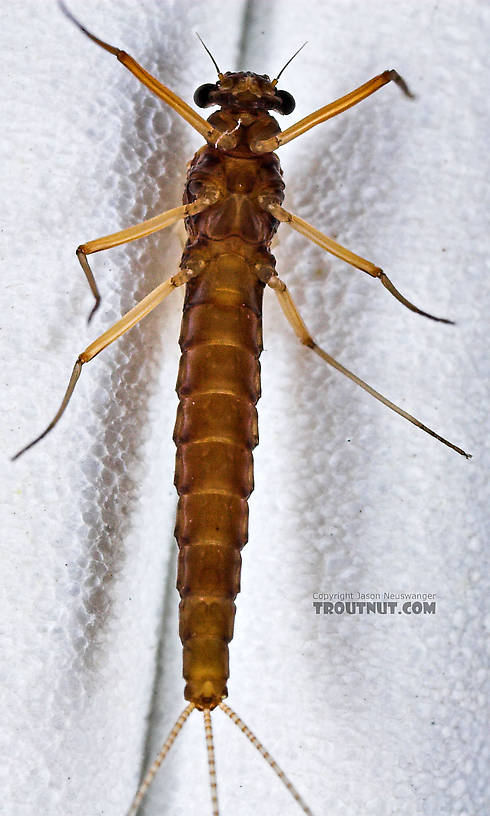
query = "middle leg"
{"x": 345, "y": 254}
{"x": 158, "y": 222}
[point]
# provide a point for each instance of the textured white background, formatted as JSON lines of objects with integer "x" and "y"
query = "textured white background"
{"x": 373, "y": 715}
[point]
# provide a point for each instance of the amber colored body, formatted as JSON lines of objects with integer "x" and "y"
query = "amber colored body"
{"x": 232, "y": 207}
{"x": 218, "y": 387}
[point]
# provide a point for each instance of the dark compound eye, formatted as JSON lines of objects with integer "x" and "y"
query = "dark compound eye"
{"x": 201, "y": 96}
{"x": 287, "y": 102}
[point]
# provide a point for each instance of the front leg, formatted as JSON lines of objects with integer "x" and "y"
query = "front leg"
{"x": 332, "y": 109}
{"x": 155, "y": 86}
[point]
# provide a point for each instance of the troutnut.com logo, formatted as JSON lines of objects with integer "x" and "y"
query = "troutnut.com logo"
{"x": 374, "y": 603}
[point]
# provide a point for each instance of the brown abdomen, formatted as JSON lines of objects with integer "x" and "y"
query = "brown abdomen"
{"x": 215, "y": 432}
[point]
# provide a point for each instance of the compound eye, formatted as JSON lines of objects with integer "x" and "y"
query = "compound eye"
{"x": 287, "y": 102}
{"x": 201, "y": 96}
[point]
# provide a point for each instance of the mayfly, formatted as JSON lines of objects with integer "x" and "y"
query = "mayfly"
{"x": 232, "y": 208}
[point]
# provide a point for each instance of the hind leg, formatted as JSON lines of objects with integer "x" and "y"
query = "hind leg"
{"x": 294, "y": 318}
{"x": 143, "y": 308}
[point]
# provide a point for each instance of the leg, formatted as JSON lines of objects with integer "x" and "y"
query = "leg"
{"x": 340, "y": 252}
{"x": 334, "y": 108}
{"x": 119, "y": 328}
{"x": 168, "y": 96}
{"x": 154, "y": 224}
{"x": 299, "y": 328}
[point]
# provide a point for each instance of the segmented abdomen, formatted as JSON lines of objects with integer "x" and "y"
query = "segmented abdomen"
{"x": 216, "y": 429}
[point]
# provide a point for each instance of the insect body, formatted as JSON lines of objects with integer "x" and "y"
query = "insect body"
{"x": 232, "y": 208}
{"x": 219, "y": 376}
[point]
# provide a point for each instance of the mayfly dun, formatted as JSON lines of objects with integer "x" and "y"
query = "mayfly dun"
{"x": 233, "y": 205}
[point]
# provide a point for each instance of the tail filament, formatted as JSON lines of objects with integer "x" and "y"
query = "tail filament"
{"x": 208, "y": 732}
{"x": 135, "y": 804}
{"x": 272, "y": 762}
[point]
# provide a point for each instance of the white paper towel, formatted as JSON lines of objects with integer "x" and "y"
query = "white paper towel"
{"x": 379, "y": 715}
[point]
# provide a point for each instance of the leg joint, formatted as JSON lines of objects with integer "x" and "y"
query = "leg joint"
{"x": 276, "y": 283}
{"x": 182, "y": 276}
{"x": 308, "y": 341}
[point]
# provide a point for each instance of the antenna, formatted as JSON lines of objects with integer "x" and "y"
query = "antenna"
{"x": 274, "y": 81}
{"x": 209, "y": 52}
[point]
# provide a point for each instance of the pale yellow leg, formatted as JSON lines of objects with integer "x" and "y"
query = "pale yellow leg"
{"x": 330, "y": 110}
{"x": 119, "y": 328}
{"x": 182, "y": 108}
{"x": 345, "y": 254}
{"x": 288, "y": 306}
{"x": 158, "y": 222}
